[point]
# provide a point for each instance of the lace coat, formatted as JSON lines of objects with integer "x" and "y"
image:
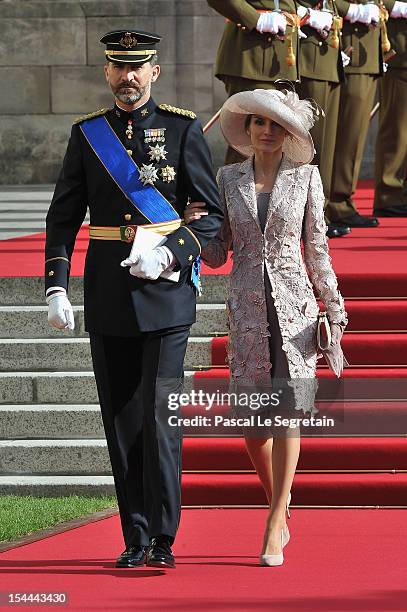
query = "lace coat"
{"x": 295, "y": 209}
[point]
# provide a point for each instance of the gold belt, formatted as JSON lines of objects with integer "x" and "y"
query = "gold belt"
{"x": 126, "y": 233}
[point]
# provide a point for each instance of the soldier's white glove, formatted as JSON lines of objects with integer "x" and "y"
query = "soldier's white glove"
{"x": 364, "y": 13}
{"x": 60, "y": 312}
{"x": 320, "y": 21}
{"x": 345, "y": 59}
{"x": 399, "y": 10}
{"x": 150, "y": 264}
{"x": 273, "y": 22}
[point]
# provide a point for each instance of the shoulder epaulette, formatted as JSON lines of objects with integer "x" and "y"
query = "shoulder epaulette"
{"x": 101, "y": 111}
{"x": 177, "y": 111}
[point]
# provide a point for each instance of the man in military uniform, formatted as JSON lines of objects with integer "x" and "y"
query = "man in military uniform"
{"x": 362, "y": 32}
{"x": 136, "y": 164}
{"x": 391, "y": 144}
{"x": 321, "y": 71}
{"x": 259, "y": 46}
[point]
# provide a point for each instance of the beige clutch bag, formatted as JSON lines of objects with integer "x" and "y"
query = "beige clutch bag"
{"x": 333, "y": 353}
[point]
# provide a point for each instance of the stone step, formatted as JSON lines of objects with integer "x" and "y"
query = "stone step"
{"x": 54, "y": 457}
{"x": 16, "y": 215}
{"x": 51, "y": 421}
{"x": 51, "y": 354}
{"x": 29, "y": 290}
{"x": 31, "y": 322}
{"x": 57, "y": 486}
{"x": 55, "y": 387}
{"x": 28, "y": 225}
{"x": 26, "y": 195}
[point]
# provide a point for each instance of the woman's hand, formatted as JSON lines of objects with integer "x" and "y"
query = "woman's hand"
{"x": 194, "y": 211}
{"x": 337, "y": 333}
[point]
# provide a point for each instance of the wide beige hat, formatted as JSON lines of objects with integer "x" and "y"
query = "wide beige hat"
{"x": 284, "y": 107}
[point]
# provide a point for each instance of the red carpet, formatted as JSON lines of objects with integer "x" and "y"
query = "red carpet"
{"x": 320, "y": 489}
{"x": 360, "y": 349}
{"x": 317, "y": 454}
{"x": 336, "y": 560}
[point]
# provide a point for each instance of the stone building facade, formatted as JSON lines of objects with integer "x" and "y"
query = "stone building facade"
{"x": 51, "y": 72}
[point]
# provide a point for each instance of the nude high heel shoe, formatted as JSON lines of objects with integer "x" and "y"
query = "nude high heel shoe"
{"x": 278, "y": 559}
{"x": 274, "y": 560}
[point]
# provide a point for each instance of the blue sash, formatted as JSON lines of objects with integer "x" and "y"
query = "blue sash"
{"x": 125, "y": 172}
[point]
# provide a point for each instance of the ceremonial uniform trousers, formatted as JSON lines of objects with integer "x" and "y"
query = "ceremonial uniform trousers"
{"x": 356, "y": 102}
{"x": 391, "y": 142}
{"x": 138, "y": 328}
{"x": 247, "y": 59}
{"x": 321, "y": 73}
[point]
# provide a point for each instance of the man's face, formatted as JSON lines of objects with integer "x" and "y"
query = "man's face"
{"x": 131, "y": 82}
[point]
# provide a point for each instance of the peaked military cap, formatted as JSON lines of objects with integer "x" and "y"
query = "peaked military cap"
{"x": 130, "y": 46}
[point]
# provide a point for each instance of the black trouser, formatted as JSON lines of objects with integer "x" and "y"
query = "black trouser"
{"x": 134, "y": 377}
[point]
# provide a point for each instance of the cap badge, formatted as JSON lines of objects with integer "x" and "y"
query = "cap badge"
{"x": 128, "y": 41}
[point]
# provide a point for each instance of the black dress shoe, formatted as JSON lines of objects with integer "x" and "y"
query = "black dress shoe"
{"x": 358, "y": 220}
{"x": 336, "y": 231}
{"x": 398, "y": 210}
{"x": 133, "y": 556}
{"x": 159, "y": 553}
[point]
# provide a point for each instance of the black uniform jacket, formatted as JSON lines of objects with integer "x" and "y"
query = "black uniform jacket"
{"x": 117, "y": 303}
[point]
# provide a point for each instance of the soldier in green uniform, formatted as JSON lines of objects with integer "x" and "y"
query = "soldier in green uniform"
{"x": 321, "y": 71}
{"x": 259, "y": 46}
{"x": 361, "y": 32}
{"x": 391, "y": 144}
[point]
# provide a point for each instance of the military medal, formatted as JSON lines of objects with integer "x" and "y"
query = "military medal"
{"x": 157, "y": 152}
{"x": 129, "y": 131}
{"x": 148, "y": 174}
{"x": 154, "y": 135}
{"x": 168, "y": 174}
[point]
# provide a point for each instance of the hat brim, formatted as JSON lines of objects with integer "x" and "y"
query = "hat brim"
{"x": 129, "y": 59}
{"x": 298, "y": 144}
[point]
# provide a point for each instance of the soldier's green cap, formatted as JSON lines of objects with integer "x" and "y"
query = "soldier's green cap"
{"x": 130, "y": 46}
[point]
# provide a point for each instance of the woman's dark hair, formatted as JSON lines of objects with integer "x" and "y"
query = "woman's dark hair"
{"x": 247, "y": 121}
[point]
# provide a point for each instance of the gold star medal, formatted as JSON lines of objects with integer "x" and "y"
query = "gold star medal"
{"x": 157, "y": 152}
{"x": 148, "y": 174}
{"x": 168, "y": 174}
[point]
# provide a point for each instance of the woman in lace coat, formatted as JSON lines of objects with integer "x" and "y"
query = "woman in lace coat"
{"x": 271, "y": 201}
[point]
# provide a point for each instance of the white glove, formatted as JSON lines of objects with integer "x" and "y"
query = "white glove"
{"x": 320, "y": 21}
{"x": 301, "y": 34}
{"x": 399, "y": 10}
{"x": 60, "y": 312}
{"x": 273, "y": 22}
{"x": 151, "y": 264}
{"x": 345, "y": 59}
{"x": 364, "y": 13}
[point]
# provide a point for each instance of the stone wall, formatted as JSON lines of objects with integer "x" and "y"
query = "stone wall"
{"x": 51, "y": 72}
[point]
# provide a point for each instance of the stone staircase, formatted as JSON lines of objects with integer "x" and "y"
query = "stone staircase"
{"x": 51, "y": 434}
